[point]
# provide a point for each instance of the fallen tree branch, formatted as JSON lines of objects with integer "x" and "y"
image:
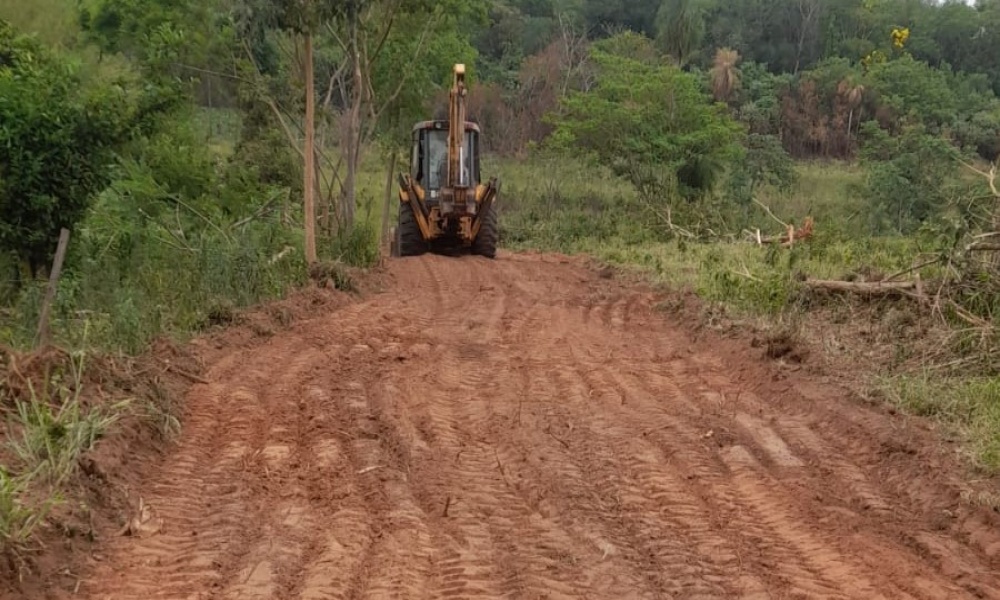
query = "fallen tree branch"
{"x": 667, "y": 219}
{"x": 982, "y": 247}
{"x": 791, "y": 236}
{"x": 976, "y": 322}
{"x": 260, "y": 212}
{"x": 187, "y": 374}
{"x": 990, "y": 176}
{"x": 868, "y": 288}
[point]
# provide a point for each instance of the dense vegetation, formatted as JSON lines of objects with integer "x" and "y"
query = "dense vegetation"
{"x": 204, "y": 153}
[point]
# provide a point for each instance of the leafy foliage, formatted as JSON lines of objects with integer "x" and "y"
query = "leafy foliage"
{"x": 907, "y": 177}
{"x": 765, "y": 162}
{"x": 57, "y": 138}
{"x": 652, "y": 123}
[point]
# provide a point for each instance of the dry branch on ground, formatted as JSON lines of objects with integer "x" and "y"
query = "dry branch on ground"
{"x": 868, "y": 288}
{"x": 790, "y": 236}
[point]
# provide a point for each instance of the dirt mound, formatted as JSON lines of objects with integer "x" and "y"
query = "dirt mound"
{"x": 23, "y": 374}
{"x": 527, "y": 427}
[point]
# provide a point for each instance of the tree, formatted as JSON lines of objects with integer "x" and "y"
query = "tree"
{"x": 417, "y": 33}
{"x": 764, "y": 162}
{"x": 302, "y": 19}
{"x": 168, "y": 39}
{"x": 724, "y": 74}
{"x": 680, "y": 29}
{"x": 913, "y": 88}
{"x": 907, "y": 177}
{"x": 57, "y": 138}
{"x": 652, "y": 123}
{"x": 604, "y": 16}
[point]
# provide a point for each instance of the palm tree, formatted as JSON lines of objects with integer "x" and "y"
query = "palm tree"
{"x": 680, "y": 27}
{"x": 725, "y": 76}
{"x": 852, "y": 93}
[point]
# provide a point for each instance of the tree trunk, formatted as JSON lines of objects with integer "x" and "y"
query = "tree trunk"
{"x": 310, "y": 154}
{"x": 353, "y": 127}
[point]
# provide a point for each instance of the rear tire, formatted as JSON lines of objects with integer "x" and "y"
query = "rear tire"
{"x": 485, "y": 243}
{"x": 409, "y": 240}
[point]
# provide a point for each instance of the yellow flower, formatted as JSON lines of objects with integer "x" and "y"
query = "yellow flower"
{"x": 899, "y": 36}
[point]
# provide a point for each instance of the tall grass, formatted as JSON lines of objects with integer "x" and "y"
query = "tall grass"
{"x": 144, "y": 285}
{"x": 53, "y": 21}
{"x": 558, "y": 204}
{"x": 151, "y": 260}
{"x": 971, "y": 405}
{"x": 44, "y": 438}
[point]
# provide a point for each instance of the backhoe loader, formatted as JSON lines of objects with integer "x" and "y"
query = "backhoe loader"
{"x": 443, "y": 204}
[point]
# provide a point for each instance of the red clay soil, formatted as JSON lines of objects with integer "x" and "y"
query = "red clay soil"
{"x": 526, "y": 428}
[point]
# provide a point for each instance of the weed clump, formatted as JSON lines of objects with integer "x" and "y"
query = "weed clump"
{"x": 47, "y": 430}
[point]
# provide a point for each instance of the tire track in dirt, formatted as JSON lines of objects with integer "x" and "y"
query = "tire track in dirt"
{"x": 858, "y": 501}
{"x": 670, "y": 555}
{"x": 617, "y": 503}
{"x": 199, "y": 500}
{"x": 687, "y": 560}
{"x": 763, "y": 495}
{"x": 775, "y": 509}
{"x": 483, "y": 510}
{"x": 538, "y": 555}
{"x": 286, "y": 534}
{"x": 517, "y": 428}
{"x": 767, "y": 440}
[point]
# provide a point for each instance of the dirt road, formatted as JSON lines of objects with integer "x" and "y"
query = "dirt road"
{"x": 523, "y": 428}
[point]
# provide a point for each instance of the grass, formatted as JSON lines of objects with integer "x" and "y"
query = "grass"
{"x": 139, "y": 267}
{"x": 124, "y": 286}
{"x": 557, "y": 205}
{"x": 971, "y": 405}
{"x": 46, "y": 434}
{"x": 53, "y": 21}
{"x": 140, "y": 287}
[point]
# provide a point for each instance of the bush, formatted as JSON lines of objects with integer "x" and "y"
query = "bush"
{"x": 622, "y": 121}
{"x": 907, "y": 177}
{"x": 56, "y": 145}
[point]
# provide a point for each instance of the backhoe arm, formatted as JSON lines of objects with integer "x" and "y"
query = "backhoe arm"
{"x": 456, "y": 131}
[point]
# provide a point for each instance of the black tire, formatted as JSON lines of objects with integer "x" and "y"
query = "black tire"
{"x": 409, "y": 240}
{"x": 485, "y": 243}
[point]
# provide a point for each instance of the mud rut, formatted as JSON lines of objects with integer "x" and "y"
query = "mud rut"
{"x": 503, "y": 428}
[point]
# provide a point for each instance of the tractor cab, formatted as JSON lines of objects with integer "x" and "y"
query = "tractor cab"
{"x": 429, "y": 158}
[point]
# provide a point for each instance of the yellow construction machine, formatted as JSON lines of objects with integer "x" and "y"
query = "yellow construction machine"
{"x": 443, "y": 203}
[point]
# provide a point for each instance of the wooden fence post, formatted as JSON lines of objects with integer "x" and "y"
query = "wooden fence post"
{"x": 43, "y": 320}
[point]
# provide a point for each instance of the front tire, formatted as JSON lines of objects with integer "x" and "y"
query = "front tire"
{"x": 485, "y": 243}
{"x": 409, "y": 240}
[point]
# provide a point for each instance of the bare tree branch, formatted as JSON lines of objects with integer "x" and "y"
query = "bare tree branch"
{"x": 768, "y": 210}
{"x": 428, "y": 25}
{"x": 991, "y": 175}
{"x": 273, "y": 105}
{"x": 390, "y": 21}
